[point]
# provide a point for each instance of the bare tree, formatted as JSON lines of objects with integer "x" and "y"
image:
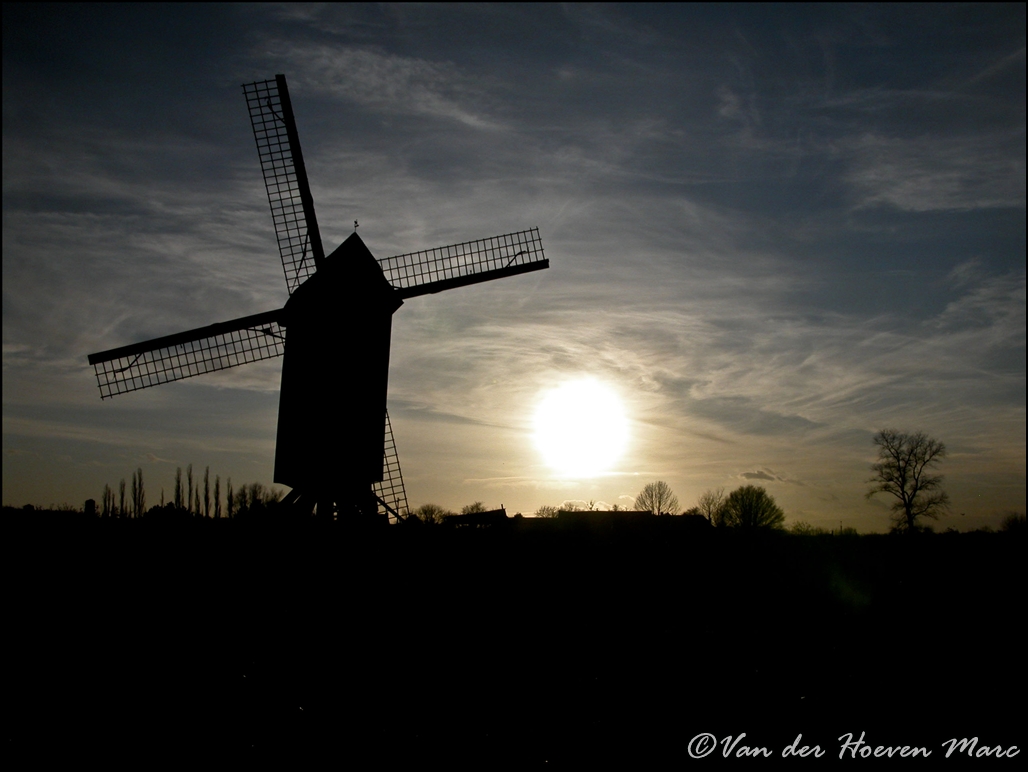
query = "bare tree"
{"x": 242, "y": 505}
{"x": 217, "y": 497}
{"x": 189, "y": 495}
{"x": 470, "y": 509}
{"x": 657, "y": 498}
{"x": 1013, "y": 523}
{"x": 546, "y": 510}
{"x": 431, "y": 514}
{"x": 207, "y": 492}
{"x": 751, "y": 508}
{"x": 229, "y": 503}
{"x": 253, "y": 500}
{"x": 264, "y": 496}
{"x": 712, "y": 506}
{"x": 121, "y": 498}
{"x": 903, "y": 470}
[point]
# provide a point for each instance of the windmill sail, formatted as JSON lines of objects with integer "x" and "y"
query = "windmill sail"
{"x": 194, "y": 352}
{"x": 470, "y": 262}
{"x": 391, "y": 495}
{"x": 285, "y": 178}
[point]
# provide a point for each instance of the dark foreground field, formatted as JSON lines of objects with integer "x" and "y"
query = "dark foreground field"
{"x": 138, "y": 641}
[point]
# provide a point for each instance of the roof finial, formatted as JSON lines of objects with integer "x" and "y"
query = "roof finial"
{"x": 355, "y": 226}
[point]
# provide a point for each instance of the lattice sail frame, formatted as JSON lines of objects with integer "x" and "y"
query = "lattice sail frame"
{"x": 391, "y": 490}
{"x": 285, "y": 179}
{"x": 174, "y": 357}
{"x": 434, "y": 270}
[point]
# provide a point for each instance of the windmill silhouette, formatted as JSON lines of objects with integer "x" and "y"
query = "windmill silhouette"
{"x": 335, "y": 445}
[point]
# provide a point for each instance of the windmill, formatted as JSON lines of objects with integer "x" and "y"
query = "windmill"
{"x": 335, "y": 445}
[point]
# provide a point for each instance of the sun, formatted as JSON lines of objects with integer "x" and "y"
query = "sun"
{"x": 580, "y": 428}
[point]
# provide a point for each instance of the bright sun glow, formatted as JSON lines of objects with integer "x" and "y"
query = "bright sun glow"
{"x": 580, "y": 428}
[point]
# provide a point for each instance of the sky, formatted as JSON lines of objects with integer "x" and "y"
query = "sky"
{"x": 772, "y": 231}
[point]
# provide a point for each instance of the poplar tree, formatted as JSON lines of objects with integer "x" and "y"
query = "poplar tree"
{"x": 107, "y": 508}
{"x": 135, "y": 496}
{"x": 138, "y": 493}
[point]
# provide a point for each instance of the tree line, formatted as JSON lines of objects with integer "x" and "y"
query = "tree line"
{"x": 904, "y": 469}
{"x": 191, "y": 497}
{"x": 749, "y": 507}
{"x": 433, "y": 514}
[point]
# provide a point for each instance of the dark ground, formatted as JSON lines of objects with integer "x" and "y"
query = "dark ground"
{"x": 138, "y": 640}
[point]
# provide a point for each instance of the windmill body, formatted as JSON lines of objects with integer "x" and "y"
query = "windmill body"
{"x": 335, "y": 447}
{"x": 335, "y": 374}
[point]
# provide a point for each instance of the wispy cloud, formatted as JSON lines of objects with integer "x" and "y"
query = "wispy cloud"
{"x": 930, "y": 174}
{"x": 768, "y": 475}
{"x": 389, "y": 83}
